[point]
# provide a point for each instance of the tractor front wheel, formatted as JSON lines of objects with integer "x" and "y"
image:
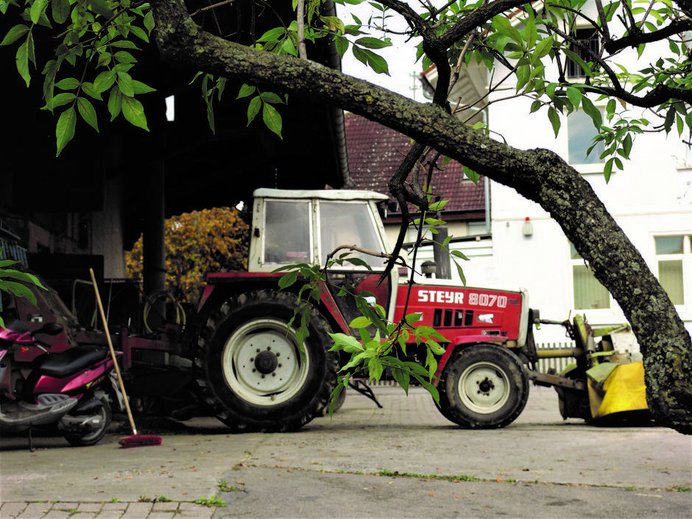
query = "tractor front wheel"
{"x": 483, "y": 386}
{"x": 255, "y": 374}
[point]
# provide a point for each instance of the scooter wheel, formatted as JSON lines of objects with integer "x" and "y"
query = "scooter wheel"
{"x": 101, "y": 412}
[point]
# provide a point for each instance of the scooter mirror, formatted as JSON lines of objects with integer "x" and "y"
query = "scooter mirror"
{"x": 50, "y": 329}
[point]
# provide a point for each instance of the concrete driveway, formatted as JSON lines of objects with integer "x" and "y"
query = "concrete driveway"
{"x": 404, "y": 460}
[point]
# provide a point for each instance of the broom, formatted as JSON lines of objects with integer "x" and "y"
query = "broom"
{"x": 136, "y": 440}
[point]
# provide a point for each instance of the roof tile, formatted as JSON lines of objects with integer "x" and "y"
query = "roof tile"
{"x": 375, "y": 152}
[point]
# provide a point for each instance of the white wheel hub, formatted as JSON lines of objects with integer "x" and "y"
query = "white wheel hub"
{"x": 262, "y": 363}
{"x": 483, "y": 388}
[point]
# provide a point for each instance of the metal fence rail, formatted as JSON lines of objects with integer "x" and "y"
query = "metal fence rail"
{"x": 557, "y": 364}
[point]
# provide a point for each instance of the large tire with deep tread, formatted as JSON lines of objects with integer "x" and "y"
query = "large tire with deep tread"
{"x": 484, "y": 386}
{"x": 252, "y": 372}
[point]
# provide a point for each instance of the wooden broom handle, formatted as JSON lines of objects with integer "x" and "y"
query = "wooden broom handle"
{"x": 112, "y": 350}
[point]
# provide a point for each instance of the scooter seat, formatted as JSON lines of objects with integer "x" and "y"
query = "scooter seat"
{"x": 70, "y": 361}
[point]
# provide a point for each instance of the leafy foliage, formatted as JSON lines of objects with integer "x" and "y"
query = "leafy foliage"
{"x": 13, "y": 281}
{"x": 375, "y": 344}
{"x": 210, "y": 240}
{"x": 93, "y": 58}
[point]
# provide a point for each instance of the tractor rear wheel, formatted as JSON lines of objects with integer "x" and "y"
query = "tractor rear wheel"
{"x": 482, "y": 387}
{"x": 254, "y": 373}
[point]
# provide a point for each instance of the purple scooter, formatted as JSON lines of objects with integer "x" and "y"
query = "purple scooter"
{"x": 40, "y": 388}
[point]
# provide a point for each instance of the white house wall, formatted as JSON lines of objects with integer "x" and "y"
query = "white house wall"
{"x": 652, "y": 196}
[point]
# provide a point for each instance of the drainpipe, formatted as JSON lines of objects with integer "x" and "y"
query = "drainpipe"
{"x": 336, "y": 115}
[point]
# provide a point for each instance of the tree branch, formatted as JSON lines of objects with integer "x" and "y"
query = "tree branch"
{"x": 634, "y": 39}
{"x": 538, "y": 175}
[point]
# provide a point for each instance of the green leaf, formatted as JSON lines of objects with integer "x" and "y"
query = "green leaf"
{"x": 435, "y": 348}
{"x": 413, "y": 318}
{"x": 627, "y": 145}
{"x": 402, "y": 378}
{"x": 149, "y": 22}
{"x": 22, "y": 62}
{"x": 115, "y": 102}
{"x": 69, "y": 83}
{"x": 272, "y": 118}
{"x": 18, "y": 290}
{"x": 360, "y": 322}
{"x": 271, "y": 97}
{"x": 14, "y": 34}
{"x": 272, "y": 35}
{"x": 288, "y": 279}
{"x": 341, "y": 44}
{"x": 60, "y": 10}
{"x": 253, "y": 109}
{"x": 37, "y": 9}
{"x": 375, "y": 369}
{"x": 460, "y": 271}
{"x": 139, "y": 32}
{"x": 60, "y": 100}
{"x": 373, "y": 43}
{"x": 523, "y": 74}
{"x": 554, "y": 118}
{"x": 377, "y": 63}
{"x": 101, "y": 7}
{"x": 345, "y": 342}
{"x": 543, "y": 47}
{"x": 104, "y": 81}
{"x": 574, "y": 96}
{"x": 122, "y": 56}
{"x": 141, "y": 88}
{"x": 125, "y": 84}
{"x": 246, "y": 91}
{"x": 608, "y": 169}
{"x": 64, "y": 129}
{"x": 18, "y": 275}
{"x": 88, "y": 113}
{"x": 592, "y": 111}
{"x": 471, "y": 174}
{"x": 134, "y": 112}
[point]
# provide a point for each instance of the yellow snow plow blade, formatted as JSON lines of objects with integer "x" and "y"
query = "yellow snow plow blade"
{"x": 622, "y": 390}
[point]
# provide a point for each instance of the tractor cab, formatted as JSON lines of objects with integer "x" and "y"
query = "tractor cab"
{"x": 311, "y": 226}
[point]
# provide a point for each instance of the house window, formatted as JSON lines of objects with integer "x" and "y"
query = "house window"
{"x": 674, "y": 257}
{"x": 589, "y": 44}
{"x": 580, "y": 135}
{"x": 589, "y": 294}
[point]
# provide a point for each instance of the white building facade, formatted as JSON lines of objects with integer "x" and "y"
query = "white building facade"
{"x": 651, "y": 199}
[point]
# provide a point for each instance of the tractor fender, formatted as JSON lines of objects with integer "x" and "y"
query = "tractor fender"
{"x": 222, "y": 284}
{"x": 466, "y": 341}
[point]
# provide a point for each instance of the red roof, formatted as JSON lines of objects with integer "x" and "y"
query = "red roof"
{"x": 375, "y": 152}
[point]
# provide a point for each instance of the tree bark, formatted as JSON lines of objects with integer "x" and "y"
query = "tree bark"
{"x": 539, "y": 175}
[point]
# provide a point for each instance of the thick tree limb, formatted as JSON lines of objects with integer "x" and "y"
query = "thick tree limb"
{"x": 538, "y": 175}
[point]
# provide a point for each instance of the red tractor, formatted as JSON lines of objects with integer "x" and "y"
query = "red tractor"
{"x": 250, "y": 368}
{"x": 238, "y": 359}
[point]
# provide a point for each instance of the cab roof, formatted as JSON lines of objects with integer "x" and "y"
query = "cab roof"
{"x": 322, "y": 194}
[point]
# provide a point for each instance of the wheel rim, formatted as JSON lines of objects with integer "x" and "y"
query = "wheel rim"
{"x": 102, "y": 418}
{"x": 262, "y": 363}
{"x": 484, "y": 388}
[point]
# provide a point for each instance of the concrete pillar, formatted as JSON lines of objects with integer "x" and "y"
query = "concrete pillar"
{"x": 154, "y": 216}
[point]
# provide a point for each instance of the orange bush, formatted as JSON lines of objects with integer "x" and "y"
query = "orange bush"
{"x": 210, "y": 240}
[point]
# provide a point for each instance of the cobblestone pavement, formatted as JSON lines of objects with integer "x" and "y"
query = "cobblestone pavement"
{"x": 85, "y": 510}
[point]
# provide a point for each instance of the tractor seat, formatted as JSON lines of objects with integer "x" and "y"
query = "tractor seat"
{"x": 70, "y": 361}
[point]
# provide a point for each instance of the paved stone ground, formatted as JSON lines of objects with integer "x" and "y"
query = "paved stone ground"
{"x": 404, "y": 460}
